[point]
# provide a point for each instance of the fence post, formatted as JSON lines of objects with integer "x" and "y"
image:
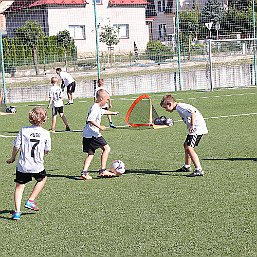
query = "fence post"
{"x": 2, "y": 66}
{"x": 210, "y": 62}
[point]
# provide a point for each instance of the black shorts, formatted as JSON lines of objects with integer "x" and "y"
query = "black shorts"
{"x": 57, "y": 110}
{"x": 91, "y": 144}
{"x": 23, "y": 178}
{"x": 193, "y": 140}
{"x": 71, "y": 87}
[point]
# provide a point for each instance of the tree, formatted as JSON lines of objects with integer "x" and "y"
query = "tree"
{"x": 189, "y": 27}
{"x": 30, "y": 34}
{"x": 213, "y": 11}
{"x": 65, "y": 40}
{"x": 110, "y": 36}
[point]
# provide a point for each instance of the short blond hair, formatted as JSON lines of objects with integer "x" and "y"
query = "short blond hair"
{"x": 54, "y": 80}
{"x": 167, "y": 99}
{"x": 100, "y": 94}
{"x": 38, "y": 116}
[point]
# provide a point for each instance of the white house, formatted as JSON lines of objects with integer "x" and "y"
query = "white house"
{"x": 161, "y": 16}
{"x": 78, "y": 16}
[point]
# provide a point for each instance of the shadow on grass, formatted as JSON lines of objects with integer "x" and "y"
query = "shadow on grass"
{"x": 63, "y": 176}
{"x": 9, "y": 212}
{"x": 230, "y": 159}
{"x": 155, "y": 172}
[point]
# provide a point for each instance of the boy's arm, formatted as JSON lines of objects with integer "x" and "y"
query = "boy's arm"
{"x": 110, "y": 112}
{"x": 96, "y": 125}
{"x": 49, "y": 102}
{"x": 15, "y": 150}
{"x": 192, "y": 128}
{"x": 110, "y": 103}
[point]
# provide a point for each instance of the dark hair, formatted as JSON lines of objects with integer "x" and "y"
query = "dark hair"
{"x": 58, "y": 69}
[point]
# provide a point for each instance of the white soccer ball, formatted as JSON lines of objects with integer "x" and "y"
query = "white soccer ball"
{"x": 117, "y": 167}
{"x": 169, "y": 122}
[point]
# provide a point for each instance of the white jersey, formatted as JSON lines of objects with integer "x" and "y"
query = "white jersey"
{"x": 185, "y": 112}
{"x": 32, "y": 142}
{"x": 95, "y": 114}
{"x": 66, "y": 77}
{"x": 56, "y": 94}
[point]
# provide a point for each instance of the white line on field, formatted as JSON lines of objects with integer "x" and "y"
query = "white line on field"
{"x": 6, "y": 136}
{"x": 227, "y": 116}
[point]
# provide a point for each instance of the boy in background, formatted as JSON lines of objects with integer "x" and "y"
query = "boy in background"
{"x": 56, "y": 99}
{"x": 33, "y": 142}
{"x": 69, "y": 82}
{"x": 92, "y": 138}
{"x": 196, "y": 127}
{"x": 108, "y": 105}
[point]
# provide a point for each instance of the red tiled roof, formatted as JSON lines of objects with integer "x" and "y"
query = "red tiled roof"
{"x": 41, "y": 2}
{"x": 127, "y": 2}
{"x": 21, "y": 4}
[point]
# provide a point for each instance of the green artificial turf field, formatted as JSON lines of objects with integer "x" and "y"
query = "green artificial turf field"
{"x": 151, "y": 210}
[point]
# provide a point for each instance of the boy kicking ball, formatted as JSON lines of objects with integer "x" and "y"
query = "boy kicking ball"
{"x": 196, "y": 129}
{"x": 92, "y": 138}
{"x": 33, "y": 142}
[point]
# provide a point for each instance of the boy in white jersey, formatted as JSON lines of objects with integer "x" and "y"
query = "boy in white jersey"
{"x": 92, "y": 138}
{"x": 108, "y": 105}
{"x": 33, "y": 142}
{"x": 69, "y": 82}
{"x": 196, "y": 127}
{"x": 56, "y": 99}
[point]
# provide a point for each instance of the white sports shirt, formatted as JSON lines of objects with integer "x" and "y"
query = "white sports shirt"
{"x": 66, "y": 77}
{"x": 95, "y": 114}
{"x": 185, "y": 112}
{"x": 56, "y": 94}
{"x": 32, "y": 142}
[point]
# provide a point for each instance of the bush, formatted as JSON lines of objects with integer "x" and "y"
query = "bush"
{"x": 157, "y": 52}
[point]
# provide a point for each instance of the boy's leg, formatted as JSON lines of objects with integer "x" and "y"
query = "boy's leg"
{"x": 88, "y": 161}
{"x": 64, "y": 120}
{"x": 19, "y": 188}
{"x": 194, "y": 157}
{"x": 105, "y": 153}
{"x": 37, "y": 189}
{"x": 187, "y": 156}
{"x": 53, "y": 122}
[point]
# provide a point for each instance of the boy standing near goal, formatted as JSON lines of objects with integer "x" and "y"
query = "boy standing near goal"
{"x": 92, "y": 138}
{"x": 33, "y": 142}
{"x": 56, "y": 99}
{"x": 196, "y": 127}
{"x": 69, "y": 82}
{"x": 108, "y": 105}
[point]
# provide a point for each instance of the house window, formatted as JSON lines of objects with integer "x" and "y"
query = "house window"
{"x": 159, "y": 6}
{"x": 98, "y": 1}
{"x": 77, "y": 31}
{"x": 123, "y": 30}
{"x": 162, "y": 32}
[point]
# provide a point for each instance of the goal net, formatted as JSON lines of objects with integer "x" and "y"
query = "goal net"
{"x": 141, "y": 112}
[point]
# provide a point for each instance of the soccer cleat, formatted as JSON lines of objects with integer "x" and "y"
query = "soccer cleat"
{"x": 184, "y": 169}
{"x": 85, "y": 176}
{"x": 16, "y": 215}
{"x": 50, "y": 130}
{"x": 112, "y": 126}
{"x": 68, "y": 103}
{"x": 196, "y": 173}
{"x": 103, "y": 173}
{"x": 67, "y": 129}
{"x": 31, "y": 205}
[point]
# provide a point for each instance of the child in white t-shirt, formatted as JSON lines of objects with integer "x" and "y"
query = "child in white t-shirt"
{"x": 33, "y": 142}
{"x": 196, "y": 127}
{"x": 56, "y": 99}
{"x": 108, "y": 104}
{"x": 92, "y": 138}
